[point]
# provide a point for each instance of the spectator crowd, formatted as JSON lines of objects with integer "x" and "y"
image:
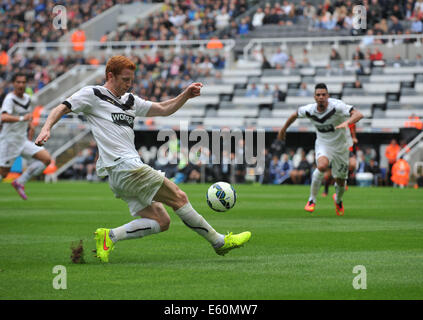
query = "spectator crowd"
{"x": 162, "y": 75}
{"x": 382, "y": 16}
{"x": 31, "y": 21}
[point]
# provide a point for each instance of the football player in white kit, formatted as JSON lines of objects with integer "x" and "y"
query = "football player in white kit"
{"x": 332, "y": 118}
{"x": 16, "y": 117}
{"x": 110, "y": 111}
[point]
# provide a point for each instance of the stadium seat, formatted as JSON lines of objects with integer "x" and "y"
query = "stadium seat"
{"x": 202, "y": 101}
{"x": 271, "y": 72}
{"x": 227, "y": 105}
{"x": 235, "y": 80}
{"x": 217, "y": 89}
{"x": 250, "y": 112}
{"x": 335, "y": 79}
{"x": 280, "y": 79}
{"x": 228, "y": 122}
{"x": 380, "y": 99}
{"x": 241, "y": 72}
{"x": 391, "y": 78}
{"x": 270, "y": 122}
{"x": 211, "y": 113}
{"x": 283, "y": 113}
{"x": 390, "y": 105}
{"x": 378, "y": 114}
{"x": 333, "y": 88}
{"x": 171, "y": 121}
{"x": 265, "y": 113}
{"x": 403, "y": 113}
{"x": 415, "y": 99}
{"x": 418, "y": 86}
{"x": 248, "y": 64}
{"x": 388, "y": 123}
{"x": 408, "y": 92}
{"x": 382, "y": 87}
{"x": 282, "y": 86}
{"x": 299, "y": 100}
{"x": 353, "y": 91}
{"x": 403, "y": 70}
{"x": 308, "y": 71}
{"x": 252, "y": 100}
{"x": 197, "y": 111}
{"x": 240, "y": 92}
{"x": 284, "y": 106}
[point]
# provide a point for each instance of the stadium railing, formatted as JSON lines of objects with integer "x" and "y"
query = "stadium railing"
{"x": 69, "y": 82}
{"x": 334, "y": 41}
{"x": 112, "y": 47}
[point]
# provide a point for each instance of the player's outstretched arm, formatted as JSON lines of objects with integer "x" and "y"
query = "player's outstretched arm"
{"x": 5, "y": 117}
{"x": 52, "y": 118}
{"x": 291, "y": 119}
{"x": 168, "y": 107}
{"x": 355, "y": 117}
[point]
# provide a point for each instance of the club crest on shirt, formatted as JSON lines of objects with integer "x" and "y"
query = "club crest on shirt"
{"x": 123, "y": 119}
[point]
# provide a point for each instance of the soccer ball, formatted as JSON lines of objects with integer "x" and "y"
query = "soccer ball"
{"x": 221, "y": 196}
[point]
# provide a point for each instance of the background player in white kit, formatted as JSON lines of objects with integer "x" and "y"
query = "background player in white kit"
{"x": 331, "y": 117}
{"x": 16, "y": 117}
{"x": 111, "y": 111}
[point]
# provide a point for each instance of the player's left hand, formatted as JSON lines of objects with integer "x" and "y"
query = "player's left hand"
{"x": 343, "y": 125}
{"x": 193, "y": 90}
{"x": 42, "y": 137}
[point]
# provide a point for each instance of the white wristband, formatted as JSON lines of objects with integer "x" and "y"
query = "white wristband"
{"x": 21, "y": 118}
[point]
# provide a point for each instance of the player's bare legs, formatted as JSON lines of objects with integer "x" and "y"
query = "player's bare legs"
{"x": 352, "y": 165}
{"x": 42, "y": 160}
{"x": 43, "y": 156}
{"x": 318, "y": 174}
{"x": 337, "y": 197}
{"x": 156, "y": 212}
{"x": 4, "y": 171}
{"x": 327, "y": 182}
{"x": 155, "y": 219}
{"x": 171, "y": 195}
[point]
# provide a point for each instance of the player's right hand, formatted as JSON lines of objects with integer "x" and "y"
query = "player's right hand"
{"x": 282, "y": 135}
{"x": 28, "y": 117}
{"x": 42, "y": 137}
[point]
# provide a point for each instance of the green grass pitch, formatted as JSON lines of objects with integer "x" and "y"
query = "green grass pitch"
{"x": 291, "y": 255}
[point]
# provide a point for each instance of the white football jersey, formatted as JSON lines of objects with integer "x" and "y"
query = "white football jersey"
{"x": 111, "y": 120}
{"x": 325, "y": 123}
{"x": 15, "y": 132}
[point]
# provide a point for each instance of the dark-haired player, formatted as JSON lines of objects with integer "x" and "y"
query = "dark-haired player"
{"x": 331, "y": 118}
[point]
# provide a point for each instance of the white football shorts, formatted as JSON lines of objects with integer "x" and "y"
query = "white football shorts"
{"x": 135, "y": 182}
{"x": 10, "y": 151}
{"x": 339, "y": 158}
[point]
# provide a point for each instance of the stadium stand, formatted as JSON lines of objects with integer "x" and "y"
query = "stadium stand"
{"x": 25, "y": 21}
{"x": 257, "y": 81}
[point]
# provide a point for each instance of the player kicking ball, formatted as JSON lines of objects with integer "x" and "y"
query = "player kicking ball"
{"x": 332, "y": 118}
{"x": 110, "y": 111}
